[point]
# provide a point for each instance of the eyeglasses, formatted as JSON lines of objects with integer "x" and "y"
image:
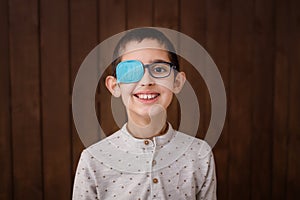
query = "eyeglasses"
{"x": 131, "y": 71}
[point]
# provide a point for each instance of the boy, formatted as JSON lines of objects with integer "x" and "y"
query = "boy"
{"x": 146, "y": 158}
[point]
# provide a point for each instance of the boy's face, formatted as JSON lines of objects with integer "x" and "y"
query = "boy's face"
{"x": 148, "y": 94}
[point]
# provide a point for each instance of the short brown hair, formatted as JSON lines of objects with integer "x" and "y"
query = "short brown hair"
{"x": 139, "y": 35}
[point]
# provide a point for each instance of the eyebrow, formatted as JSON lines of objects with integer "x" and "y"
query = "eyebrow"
{"x": 158, "y": 60}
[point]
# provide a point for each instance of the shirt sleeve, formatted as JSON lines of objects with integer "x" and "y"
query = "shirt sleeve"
{"x": 209, "y": 188}
{"x": 84, "y": 187}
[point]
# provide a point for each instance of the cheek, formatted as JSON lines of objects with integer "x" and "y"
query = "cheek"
{"x": 167, "y": 83}
{"x": 167, "y": 98}
{"x": 126, "y": 91}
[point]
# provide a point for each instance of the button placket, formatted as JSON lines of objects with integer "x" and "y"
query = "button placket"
{"x": 155, "y": 179}
{"x": 155, "y": 185}
{"x": 153, "y": 162}
{"x": 146, "y": 142}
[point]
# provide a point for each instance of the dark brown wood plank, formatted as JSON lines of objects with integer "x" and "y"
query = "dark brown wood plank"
{"x": 166, "y": 14}
{"x": 281, "y": 98}
{"x": 293, "y": 172}
{"x": 55, "y": 99}
{"x": 109, "y": 25}
{"x": 193, "y": 23}
{"x": 240, "y": 115}
{"x": 262, "y": 98}
{"x": 137, "y": 15}
{"x": 218, "y": 45}
{"x": 6, "y": 184}
{"x": 25, "y": 84}
{"x": 193, "y": 20}
{"x": 84, "y": 37}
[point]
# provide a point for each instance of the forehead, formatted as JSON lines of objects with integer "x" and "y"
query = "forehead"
{"x": 144, "y": 44}
{"x": 146, "y": 51}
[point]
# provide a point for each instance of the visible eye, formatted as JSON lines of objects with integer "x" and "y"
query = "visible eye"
{"x": 160, "y": 68}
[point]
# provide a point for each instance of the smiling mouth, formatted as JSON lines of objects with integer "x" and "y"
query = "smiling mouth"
{"x": 147, "y": 96}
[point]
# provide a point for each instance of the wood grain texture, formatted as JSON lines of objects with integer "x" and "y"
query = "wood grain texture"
{"x": 241, "y": 91}
{"x": 6, "y": 182}
{"x": 262, "y": 99}
{"x": 255, "y": 45}
{"x": 196, "y": 29}
{"x": 112, "y": 18}
{"x": 166, "y": 14}
{"x": 293, "y": 166}
{"x": 218, "y": 45}
{"x": 83, "y": 38}
{"x": 109, "y": 25}
{"x": 281, "y": 102}
{"x": 26, "y": 106}
{"x": 54, "y": 51}
{"x": 139, "y": 15}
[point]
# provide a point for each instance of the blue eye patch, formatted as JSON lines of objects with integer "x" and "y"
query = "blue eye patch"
{"x": 129, "y": 71}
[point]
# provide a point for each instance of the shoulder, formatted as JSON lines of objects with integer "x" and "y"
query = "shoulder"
{"x": 88, "y": 155}
{"x": 104, "y": 142}
{"x": 197, "y": 146}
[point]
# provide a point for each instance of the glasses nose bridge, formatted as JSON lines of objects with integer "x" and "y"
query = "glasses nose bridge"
{"x": 147, "y": 78}
{"x": 146, "y": 66}
{"x": 147, "y": 69}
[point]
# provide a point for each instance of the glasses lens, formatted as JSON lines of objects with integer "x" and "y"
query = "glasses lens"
{"x": 160, "y": 70}
{"x": 129, "y": 71}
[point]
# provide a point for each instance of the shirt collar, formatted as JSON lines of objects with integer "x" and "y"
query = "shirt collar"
{"x": 124, "y": 152}
{"x": 147, "y": 144}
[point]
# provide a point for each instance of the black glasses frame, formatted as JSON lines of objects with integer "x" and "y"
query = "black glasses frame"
{"x": 171, "y": 65}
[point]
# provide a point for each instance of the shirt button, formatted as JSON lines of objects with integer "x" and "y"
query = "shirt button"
{"x": 154, "y": 162}
{"x": 146, "y": 142}
{"x": 155, "y": 180}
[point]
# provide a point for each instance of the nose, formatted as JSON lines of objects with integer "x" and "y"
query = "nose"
{"x": 147, "y": 79}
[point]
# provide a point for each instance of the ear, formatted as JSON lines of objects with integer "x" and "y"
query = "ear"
{"x": 112, "y": 85}
{"x": 179, "y": 82}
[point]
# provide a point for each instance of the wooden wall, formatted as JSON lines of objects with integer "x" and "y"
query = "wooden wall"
{"x": 255, "y": 44}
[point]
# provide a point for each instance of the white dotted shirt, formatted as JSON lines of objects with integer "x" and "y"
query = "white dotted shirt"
{"x": 171, "y": 166}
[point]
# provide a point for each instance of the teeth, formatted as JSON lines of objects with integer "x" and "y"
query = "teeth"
{"x": 146, "y": 96}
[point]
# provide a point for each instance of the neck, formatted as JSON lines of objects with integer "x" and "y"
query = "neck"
{"x": 153, "y": 126}
{"x": 147, "y": 131}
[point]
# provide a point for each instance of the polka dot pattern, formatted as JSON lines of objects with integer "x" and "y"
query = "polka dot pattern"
{"x": 190, "y": 176}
